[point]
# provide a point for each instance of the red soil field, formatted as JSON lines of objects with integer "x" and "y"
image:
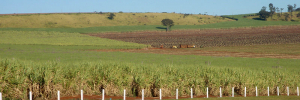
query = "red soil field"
{"x": 210, "y": 38}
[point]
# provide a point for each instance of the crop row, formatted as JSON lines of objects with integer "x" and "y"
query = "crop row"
{"x": 17, "y": 78}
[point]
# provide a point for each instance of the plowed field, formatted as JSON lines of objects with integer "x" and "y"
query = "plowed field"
{"x": 211, "y": 37}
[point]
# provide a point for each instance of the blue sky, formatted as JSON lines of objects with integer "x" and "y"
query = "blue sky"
{"x": 212, "y": 7}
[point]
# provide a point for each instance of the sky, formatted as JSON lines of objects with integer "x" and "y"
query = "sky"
{"x": 211, "y": 7}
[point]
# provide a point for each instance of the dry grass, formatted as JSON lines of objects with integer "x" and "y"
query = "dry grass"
{"x": 95, "y": 20}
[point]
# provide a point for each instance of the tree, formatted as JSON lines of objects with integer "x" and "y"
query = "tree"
{"x": 290, "y": 9}
{"x": 111, "y": 16}
{"x": 286, "y": 16}
{"x": 272, "y": 9}
{"x": 281, "y": 10}
{"x": 277, "y": 9}
{"x": 278, "y": 12}
{"x": 263, "y": 14}
{"x": 168, "y": 23}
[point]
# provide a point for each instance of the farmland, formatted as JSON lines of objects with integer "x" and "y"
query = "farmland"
{"x": 210, "y": 38}
{"x": 95, "y": 20}
{"x": 44, "y": 60}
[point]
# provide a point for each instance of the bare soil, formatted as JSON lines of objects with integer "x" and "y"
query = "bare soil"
{"x": 210, "y": 38}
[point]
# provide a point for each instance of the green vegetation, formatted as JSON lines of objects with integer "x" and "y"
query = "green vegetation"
{"x": 167, "y": 22}
{"x": 58, "y": 38}
{"x": 69, "y": 78}
{"x": 291, "y": 49}
{"x": 43, "y": 56}
{"x": 264, "y": 15}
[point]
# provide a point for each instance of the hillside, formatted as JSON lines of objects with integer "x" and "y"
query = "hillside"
{"x": 79, "y": 20}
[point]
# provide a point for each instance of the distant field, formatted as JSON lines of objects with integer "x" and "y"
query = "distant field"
{"x": 242, "y": 22}
{"x": 97, "y": 20}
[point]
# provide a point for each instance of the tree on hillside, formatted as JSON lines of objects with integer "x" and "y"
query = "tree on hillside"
{"x": 111, "y": 16}
{"x": 277, "y": 9}
{"x": 290, "y": 9}
{"x": 168, "y": 23}
{"x": 263, "y": 14}
{"x": 281, "y": 11}
{"x": 278, "y": 12}
{"x": 272, "y": 9}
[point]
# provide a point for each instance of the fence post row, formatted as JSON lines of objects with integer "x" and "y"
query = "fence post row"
{"x": 160, "y": 95}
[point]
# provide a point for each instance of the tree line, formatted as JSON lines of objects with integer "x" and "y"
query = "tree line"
{"x": 264, "y": 14}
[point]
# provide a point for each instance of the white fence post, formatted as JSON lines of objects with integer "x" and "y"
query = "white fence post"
{"x": 58, "y": 95}
{"x": 220, "y": 92}
{"x": 245, "y": 91}
{"x": 0, "y": 96}
{"x": 176, "y": 93}
{"x": 268, "y": 91}
{"x": 143, "y": 94}
{"x": 232, "y": 91}
{"x": 206, "y": 92}
{"x": 160, "y": 94}
{"x": 103, "y": 94}
{"x": 124, "y": 95}
{"x": 191, "y": 92}
{"x": 288, "y": 91}
{"x": 256, "y": 91}
{"x": 277, "y": 90}
{"x": 30, "y": 95}
{"x": 81, "y": 94}
{"x": 298, "y": 91}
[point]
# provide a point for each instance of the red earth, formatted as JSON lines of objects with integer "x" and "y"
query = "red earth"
{"x": 209, "y": 38}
